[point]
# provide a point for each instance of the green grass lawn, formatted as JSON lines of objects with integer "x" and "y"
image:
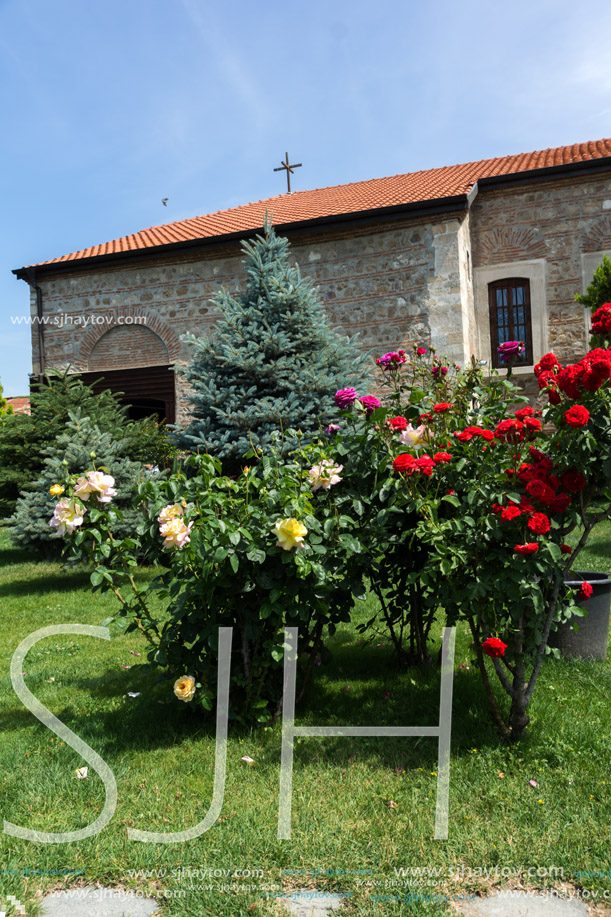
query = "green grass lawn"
{"x": 162, "y": 756}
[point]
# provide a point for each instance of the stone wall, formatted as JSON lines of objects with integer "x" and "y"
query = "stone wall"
{"x": 549, "y": 228}
{"x": 395, "y": 285}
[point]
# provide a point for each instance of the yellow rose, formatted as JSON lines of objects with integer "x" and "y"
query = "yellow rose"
{"x": 184, "y": 688}
{"x": 56, "y": 490}
{"x": 290, "y": 533}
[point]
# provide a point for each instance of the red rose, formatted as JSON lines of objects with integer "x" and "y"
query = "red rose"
{"x": 426, "y": 418}
{"x": 532, "y": 425}
{"x": 539, "y": 523}
{"x": 596, "y": 373}
{"x": 425, "y": 464}
{"x": 573, "y": 481}
{"x": 549, "y": 361}
{"x": 404, "y": 462}
{"x": 545, "y": 378}
{"x": 599, "y": 359}
{"x": 510, "y": 513}
{"x": 526, "y": 549}
{"x": 577, "y": 416}
{"x": 397, "y": 423}
{"x": 569, "y": 380}
{"x": 540, "y": 491}
{"x": 585, "y": 591}
{"x": 559, "y": 504}
{"x": 526, "y": 472}
{"x": 566, "y": 549}
{"x": 601, "y": 319}
{"x": 469, "y": 432}
{"x": 442, "y": 406}
{"x": 421, "y": 351}
{"x": 521, "y": 413}
{"x": 525, "y": 505}
{"x": 442, "y": 457}
{"x": 597, "y": 368}
{"x": 510, "y": 431}
{"x": 494, "y": 647}
{"x": 450, "y": 492}
{"x": 540, "y": 458}
{"x": 599, "y": 353}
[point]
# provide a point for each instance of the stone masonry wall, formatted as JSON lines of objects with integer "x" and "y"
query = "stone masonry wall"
{"x": 395, "y": 285}
{"x": 555, "y": 221}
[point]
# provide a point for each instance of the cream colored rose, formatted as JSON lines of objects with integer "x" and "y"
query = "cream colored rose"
{"x": 67, "y": 516}
{"x": 325, "y": 475}
{"x": 96, "y": 483}
{"x": 415, "y": 437}
{"x": 290, "y": 533}
{"x": 175, "y": 533}
{"x": 184, "y": 688}
{"x": 169, "y": 512}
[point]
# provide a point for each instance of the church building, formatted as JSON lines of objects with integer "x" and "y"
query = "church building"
{"x": 462, "y": 258}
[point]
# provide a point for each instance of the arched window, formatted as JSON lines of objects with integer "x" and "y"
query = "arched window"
{"x": 509, "y": 302}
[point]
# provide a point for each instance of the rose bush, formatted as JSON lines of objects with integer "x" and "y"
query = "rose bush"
{"x": 398, "y": 469}
{"x": 265, "y": 550}
{"x": 443, "y": 494}
{"x": 476, "y": 525}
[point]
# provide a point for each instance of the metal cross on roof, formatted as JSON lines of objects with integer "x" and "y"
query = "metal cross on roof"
{"x": 289, "y": 169}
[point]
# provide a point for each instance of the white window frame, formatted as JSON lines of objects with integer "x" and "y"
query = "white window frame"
{"x": 534, "y": 272}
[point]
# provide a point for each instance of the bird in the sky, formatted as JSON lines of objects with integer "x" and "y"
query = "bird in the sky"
{"x": 164, "y": 201}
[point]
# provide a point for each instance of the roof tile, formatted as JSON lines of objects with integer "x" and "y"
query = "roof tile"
{"x": 338, "y": 200}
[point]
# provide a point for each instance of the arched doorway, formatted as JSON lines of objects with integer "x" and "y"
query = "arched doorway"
{"x": 132, "y": 360}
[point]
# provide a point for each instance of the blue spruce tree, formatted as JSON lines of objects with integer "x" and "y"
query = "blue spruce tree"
{"x": 272, "y": 363}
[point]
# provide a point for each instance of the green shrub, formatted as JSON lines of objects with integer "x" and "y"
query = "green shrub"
{"x": 24, "y": 439}
{"x": 227, "y": 568}
{"x": 70, "y": 452}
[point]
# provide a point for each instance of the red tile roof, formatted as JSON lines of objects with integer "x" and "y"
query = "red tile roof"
{"x": 20, "y": 405}
{"x": 357, "y": 197}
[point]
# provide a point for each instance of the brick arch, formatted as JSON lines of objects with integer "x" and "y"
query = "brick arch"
{"x": 508, "y": 243}
{"x": 147, "y": 322}
{"x": 128, "y": 346}
{"x": 598, "y": 236}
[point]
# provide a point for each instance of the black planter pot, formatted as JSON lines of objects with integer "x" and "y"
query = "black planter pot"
{"x": 590, "y": 641}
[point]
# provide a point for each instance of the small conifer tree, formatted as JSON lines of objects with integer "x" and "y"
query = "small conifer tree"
{"x": 598, "y": 293}
{"x": 24, "y": 438}
{"x": 272, "y": 363}
{"x": 72, "y": 452}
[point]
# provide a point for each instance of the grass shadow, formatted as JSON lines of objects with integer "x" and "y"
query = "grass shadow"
{"x": 11, "y": 555}
{"x": 45, "y": 583}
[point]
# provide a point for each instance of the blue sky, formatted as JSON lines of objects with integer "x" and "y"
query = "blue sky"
{"x": 107, "y": 108}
